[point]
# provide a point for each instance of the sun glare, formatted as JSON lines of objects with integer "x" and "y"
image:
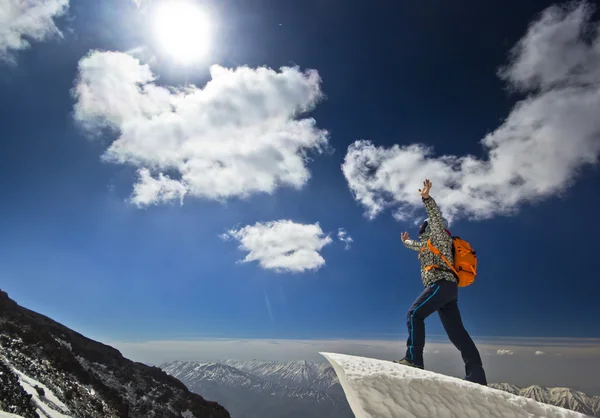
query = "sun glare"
{"x": 183, "y": 30}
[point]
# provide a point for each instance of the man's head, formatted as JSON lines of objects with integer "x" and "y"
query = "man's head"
{"x": 424, "y": 229}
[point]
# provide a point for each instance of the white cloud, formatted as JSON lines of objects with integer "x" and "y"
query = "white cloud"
{"x": 237, "y": 136}
{"x": 345, "y": 238}
{"x": 24, "y": 21}
{"x": 503, "y": 352}
{"x": 536, "y": 153}
{"x": 283, "y": 246}
{"x": 540, "y": 353}
{"x": 149, "y": 190}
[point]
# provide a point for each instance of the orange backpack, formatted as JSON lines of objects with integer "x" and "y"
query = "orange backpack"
{"x": 465, "y": 261}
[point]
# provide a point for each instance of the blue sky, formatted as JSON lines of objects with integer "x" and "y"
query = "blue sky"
{"x": 81, "y": 244}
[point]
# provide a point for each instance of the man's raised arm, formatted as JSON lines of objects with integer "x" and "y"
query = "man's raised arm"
{"x": 436, "y": 222}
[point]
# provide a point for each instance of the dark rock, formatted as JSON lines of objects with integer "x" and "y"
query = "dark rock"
{"x": 39, "y": 390}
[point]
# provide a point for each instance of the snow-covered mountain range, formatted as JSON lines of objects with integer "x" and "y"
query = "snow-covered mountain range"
{"x": 48, "y": 370}
{"x": 250, "y": 389}
{"x": 563, "y": 397}
{"x": 317, "y": 376}
{"x": 273, "y": 383}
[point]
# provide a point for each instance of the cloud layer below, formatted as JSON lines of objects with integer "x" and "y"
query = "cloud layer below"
{"x": 570, "y": 362}
{"x": 537, "y": 152}
{"x": 25, "y": 21}
{"x": 237, "y": 136}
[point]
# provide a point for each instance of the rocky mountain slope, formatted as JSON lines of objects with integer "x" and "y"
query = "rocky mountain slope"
{"x": 266, "y": 389}
{"x": 48, "y": 370}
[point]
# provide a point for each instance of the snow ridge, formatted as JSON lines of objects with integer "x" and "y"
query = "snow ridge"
{"x": 382, "y": 389}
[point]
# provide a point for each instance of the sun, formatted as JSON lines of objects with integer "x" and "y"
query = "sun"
{"x": 183, "y": 30}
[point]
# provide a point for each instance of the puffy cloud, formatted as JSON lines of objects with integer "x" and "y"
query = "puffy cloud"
{"x": 241, "y": 134}
{"x": 538, "y": 150}
{"x": 23, "y": 21}
{"x": 149, "y": 190}
{"x": 503, "y": 352}
{"x": 345, "y": 238}
{"x": 540, "y": 353}
{"x": 283, "y": 246}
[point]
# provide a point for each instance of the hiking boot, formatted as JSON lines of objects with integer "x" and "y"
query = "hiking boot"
{"x": 407, "y": 362}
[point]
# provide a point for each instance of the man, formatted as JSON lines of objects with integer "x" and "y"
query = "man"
{"x": 440, "y": 294}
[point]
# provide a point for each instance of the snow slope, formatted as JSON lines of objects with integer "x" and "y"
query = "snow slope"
{"x": 7, "y": 415}
{"x": 382, "y": 389}
{"x": 47, "y": 405}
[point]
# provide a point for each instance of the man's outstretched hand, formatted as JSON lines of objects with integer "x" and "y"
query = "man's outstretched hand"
{"x": 404, "y": 236}
{"x": 425, "y": 190}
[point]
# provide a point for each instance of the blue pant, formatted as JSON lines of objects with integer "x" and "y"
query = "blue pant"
{"x": 442, "y": 296}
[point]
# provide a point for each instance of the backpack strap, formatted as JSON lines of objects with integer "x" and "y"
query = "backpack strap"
{"x": 437, "y": 252}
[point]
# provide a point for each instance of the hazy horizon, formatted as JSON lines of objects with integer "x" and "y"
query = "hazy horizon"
{"x": 562, "y": 362}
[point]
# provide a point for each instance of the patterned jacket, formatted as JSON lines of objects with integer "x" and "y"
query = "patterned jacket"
{"x": 440, "y": 239}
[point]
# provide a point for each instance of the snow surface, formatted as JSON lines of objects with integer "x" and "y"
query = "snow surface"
{"x": 382, "y": 389}
{"x": 47, "y": 406}
{"x": 7, "y": 415}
